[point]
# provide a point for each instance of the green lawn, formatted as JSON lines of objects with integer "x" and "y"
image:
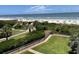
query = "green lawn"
{"x": 27, "y": 52}
{"x": 55, "y": 45}
{"x": 19, "y": 36}
{"x": 16, "y": 31}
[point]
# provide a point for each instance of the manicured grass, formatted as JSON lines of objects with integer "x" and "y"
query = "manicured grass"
{"x": 16, "y": 31}
{"x": 55, "y": 45}
{"x": 27, "y": 52}
{"x": 19, "y": 36}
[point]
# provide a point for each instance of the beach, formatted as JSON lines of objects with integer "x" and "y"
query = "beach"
{"x": 58, "y": 21}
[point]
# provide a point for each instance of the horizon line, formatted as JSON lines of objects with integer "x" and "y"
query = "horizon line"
{"x": 38, "y": 13}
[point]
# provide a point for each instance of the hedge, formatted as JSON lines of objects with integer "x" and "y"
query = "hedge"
{"x": 14, "y": 43}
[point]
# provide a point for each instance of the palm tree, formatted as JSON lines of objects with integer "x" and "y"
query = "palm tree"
{"x": 7, "y": 31}
{"x": 26, "y": 26}
{"x": 30, "y": 26}
{"x": 35, "y": 24}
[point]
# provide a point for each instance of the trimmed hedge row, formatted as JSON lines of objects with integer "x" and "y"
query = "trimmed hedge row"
{"x": 14, "y": 43}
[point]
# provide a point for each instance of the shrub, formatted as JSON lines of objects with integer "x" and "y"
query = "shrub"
{"x": 9, "y": 22}
{"x": 14, "y": 43}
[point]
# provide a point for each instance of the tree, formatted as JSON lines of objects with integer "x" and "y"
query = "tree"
{"x": 74, "y": 43}
{"x": 26, "y": 26}
{"x": 30, "y": 27}
{"x": 7, "y": 31}
{"x": 35, "y": 24}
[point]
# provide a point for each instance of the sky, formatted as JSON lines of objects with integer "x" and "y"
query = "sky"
{"x": 33, "y": 9}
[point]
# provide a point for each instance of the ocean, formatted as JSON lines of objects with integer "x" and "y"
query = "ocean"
{"x": 74, "y": 15}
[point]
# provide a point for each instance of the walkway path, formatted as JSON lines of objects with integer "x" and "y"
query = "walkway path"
{"x": 3, "y": 39}
{"x": 61, "y": 35}
{"x": 47, "y": 39}
{"x": 36, "y": 52}
{"x": 30, "y": 48}
{"x": 33, "y": 44}
{"x": 42, "y": 41}
{"x": 26, "y": 46}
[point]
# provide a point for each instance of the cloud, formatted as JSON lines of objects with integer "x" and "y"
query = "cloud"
{"x": 39, "y": 9}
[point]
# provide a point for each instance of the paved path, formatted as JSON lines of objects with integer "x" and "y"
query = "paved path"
{"x": 36, "y": 52}
{"x": 3, "y": 39}
{"x": 30, "y": 48}
{"x": 42, "y": 41}
{"x": 61, "y": 35}
{"x": 33, "y": 44}
{"x": 47, "y": 39}
{"x": 13, "y": 51}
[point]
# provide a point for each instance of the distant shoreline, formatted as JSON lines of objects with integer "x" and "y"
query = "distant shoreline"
{"x": 58, "y": 21}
